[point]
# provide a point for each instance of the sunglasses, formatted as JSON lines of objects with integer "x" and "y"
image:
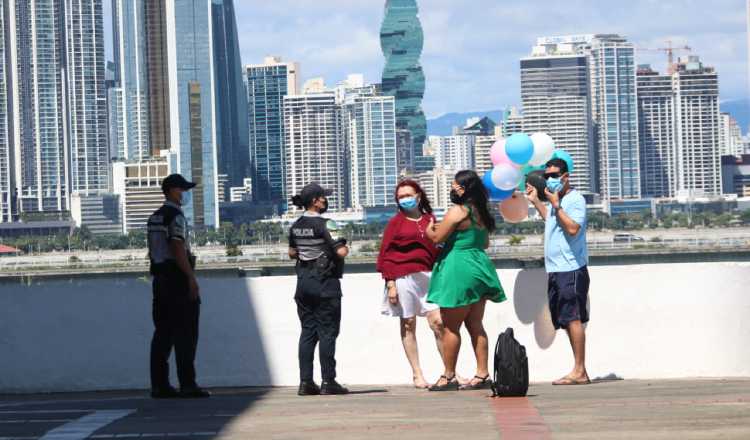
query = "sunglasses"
{"x": 552, "y": 176}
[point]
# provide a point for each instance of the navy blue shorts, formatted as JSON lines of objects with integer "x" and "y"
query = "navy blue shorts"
{"x": 568, "y": 294}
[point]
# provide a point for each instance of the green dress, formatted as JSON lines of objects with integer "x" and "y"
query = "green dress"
{"x": 463, "y": 273}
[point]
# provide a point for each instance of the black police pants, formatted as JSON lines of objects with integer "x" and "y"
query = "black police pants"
{"x": 176, "y": 325}
{"x": 320, "y": 318}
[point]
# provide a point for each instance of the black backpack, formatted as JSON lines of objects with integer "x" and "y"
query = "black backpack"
{"x": 511, "y": 367}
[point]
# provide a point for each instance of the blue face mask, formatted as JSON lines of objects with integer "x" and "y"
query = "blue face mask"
{"x": 186, "y": 198}
{"x": 554, "y": 184}
{"x": 408, "y": 203}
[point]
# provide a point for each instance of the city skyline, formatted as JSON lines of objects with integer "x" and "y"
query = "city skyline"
{"x": 336, "y": 37}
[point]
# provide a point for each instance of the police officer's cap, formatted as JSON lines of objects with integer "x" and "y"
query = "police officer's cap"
{"x": 309, "y": 193}
{"x": 176, "y": 181}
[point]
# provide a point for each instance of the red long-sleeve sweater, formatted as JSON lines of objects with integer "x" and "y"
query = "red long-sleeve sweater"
{"x": 405, "y": 248}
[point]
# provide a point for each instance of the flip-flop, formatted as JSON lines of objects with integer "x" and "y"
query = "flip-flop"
{"x": 483, "y": 385}
{"x": 451, "y": 384}
{"x": 565, "y": 381}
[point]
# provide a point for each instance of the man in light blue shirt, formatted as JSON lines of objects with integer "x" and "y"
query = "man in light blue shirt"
{"x": 566, "y": 260}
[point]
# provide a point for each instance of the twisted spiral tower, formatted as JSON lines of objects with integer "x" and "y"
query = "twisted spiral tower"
{"x": 402, "y": 40}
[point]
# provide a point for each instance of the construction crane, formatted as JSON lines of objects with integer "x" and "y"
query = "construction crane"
{"x": 670, "y": 50}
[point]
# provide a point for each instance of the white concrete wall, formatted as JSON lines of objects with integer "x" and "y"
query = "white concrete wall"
{"x": 647, "y": 321}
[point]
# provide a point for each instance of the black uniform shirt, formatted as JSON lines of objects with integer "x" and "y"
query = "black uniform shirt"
{"x": 165, "y": 224}
{"x": 310, "y": 236}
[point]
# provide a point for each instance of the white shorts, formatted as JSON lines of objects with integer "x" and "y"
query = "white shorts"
{"x": 412, "y": 297}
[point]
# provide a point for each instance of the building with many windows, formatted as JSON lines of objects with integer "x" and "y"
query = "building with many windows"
{"x": 138, "y": 186}
{"x": 314, "y": 145}
{"x": 369, "y": 124}
{"x": 730, "y": 136}
{"x": 615, "y": 113}
{"x": 680, "y": 130}
{"x": 453, "y": 152}
{"x": 267, "y": 85}
{"x": 556, "y": 97}
{"x": 657, "y": 133}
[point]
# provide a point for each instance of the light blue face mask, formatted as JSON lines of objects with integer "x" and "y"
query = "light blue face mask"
{"x": 186, "y": 198}
{"x": 408, "y": 203}
{"x": 554, "y": 184}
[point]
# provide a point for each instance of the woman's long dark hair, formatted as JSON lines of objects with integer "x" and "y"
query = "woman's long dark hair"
{"x": 424, "y": 202}
{"x": 476, "y": 194}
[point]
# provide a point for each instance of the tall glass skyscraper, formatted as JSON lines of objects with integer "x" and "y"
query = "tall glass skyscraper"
{"x": 267, "y": 85}
{"x": 370, "y": 136}
{"x": 402, "y": 40}
{"x": 233, "y": 148}
{"x": 615, "y": 112}
{"x": 6, "y": 193}
{"x": 37, "y": 110}
{"x": 192, "y": 104}
{"x": 131, "y": 78}
{"x": 87, "y": 96}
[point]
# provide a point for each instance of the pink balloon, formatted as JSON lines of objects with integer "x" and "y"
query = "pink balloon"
{"x": 498, "y": 155}
{"x": 515, "y": 208}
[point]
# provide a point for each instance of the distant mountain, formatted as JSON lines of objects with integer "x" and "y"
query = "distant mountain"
{"x": 739, "y": 109}
{"x": 443, "y": 125}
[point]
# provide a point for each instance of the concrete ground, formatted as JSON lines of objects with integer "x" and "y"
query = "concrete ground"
{"x": 690, "y": 409}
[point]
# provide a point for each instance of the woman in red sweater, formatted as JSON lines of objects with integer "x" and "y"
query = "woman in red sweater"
{"x": 405, "y": 261}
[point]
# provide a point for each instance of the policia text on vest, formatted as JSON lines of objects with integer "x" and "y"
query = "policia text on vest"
{"x": 320, "y": 266}
{"x": 176, "y": 298}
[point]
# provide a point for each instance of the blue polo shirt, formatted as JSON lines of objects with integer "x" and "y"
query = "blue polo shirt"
{"x": 563, "y": 252}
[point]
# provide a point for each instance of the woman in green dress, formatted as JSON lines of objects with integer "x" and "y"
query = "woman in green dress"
{"x": 464, "y": 277}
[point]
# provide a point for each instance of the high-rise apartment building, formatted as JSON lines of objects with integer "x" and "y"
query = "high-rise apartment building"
{"x": 233, "y": 150}
{"x": 556, "y": 100}
{"x": 7, "y": 195}
{"x": 614, "y": 110}
{"x": 87, "y": 96}
{"x": 697, "y": 96}
{"x": 402, "y": 40}
{"x": 680, "y": 130}
{"x": 315, "y": 148}
{"x": 453, "y": 152}
{"x": 370, "y": 140}
{"x": 657, "y": 133}
{"x": 267, "y": 85}
{"x": 138, "y": 185}
{"x": 512, "y": 122}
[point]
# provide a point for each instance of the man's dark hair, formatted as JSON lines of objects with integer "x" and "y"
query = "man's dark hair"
{"x": 558, "y": 163}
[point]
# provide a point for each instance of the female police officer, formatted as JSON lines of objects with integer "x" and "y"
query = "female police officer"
{"x": 320, "y": 263}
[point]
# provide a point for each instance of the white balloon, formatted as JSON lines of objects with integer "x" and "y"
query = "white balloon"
{"x": 544, "y": 147}
{"x": 506, "y": 176}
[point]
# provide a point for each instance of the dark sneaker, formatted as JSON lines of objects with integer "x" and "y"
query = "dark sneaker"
{"x": 332, "y": 387}
{"x": 194, "y": 393}
{"x": 308, "y": 389}
{"x": 164, "y": 393}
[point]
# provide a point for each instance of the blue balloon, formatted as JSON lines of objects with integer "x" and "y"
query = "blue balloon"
{"x": 496, "y": 194}
{"x": 562, "y": 154}
{"x": 519, "y": 148}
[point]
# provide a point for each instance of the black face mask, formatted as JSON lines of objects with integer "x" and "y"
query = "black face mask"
{"x": 325, "y": 208}
{"x": 456, "y": 199}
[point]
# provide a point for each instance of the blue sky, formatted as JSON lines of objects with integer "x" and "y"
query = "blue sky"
{"x": 472, "y": 47}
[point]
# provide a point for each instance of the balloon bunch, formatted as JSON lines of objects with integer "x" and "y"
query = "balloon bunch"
{"x": 517, "y": 160}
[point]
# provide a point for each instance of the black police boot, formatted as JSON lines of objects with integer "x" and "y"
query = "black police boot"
{"x": 194, "y": 392}
{"x": 308, "y": 388}
{"x": 331, "y": 387}
{"x": 164, "y": 393}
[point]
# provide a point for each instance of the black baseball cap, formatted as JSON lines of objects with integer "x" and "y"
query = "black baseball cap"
{"x": 176, "y": 181}
{"x": 311, "y": 192}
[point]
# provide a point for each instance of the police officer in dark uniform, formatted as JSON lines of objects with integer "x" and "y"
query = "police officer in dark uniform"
{"x": 320, "y": 264}
{"x": 176, "y": 306}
